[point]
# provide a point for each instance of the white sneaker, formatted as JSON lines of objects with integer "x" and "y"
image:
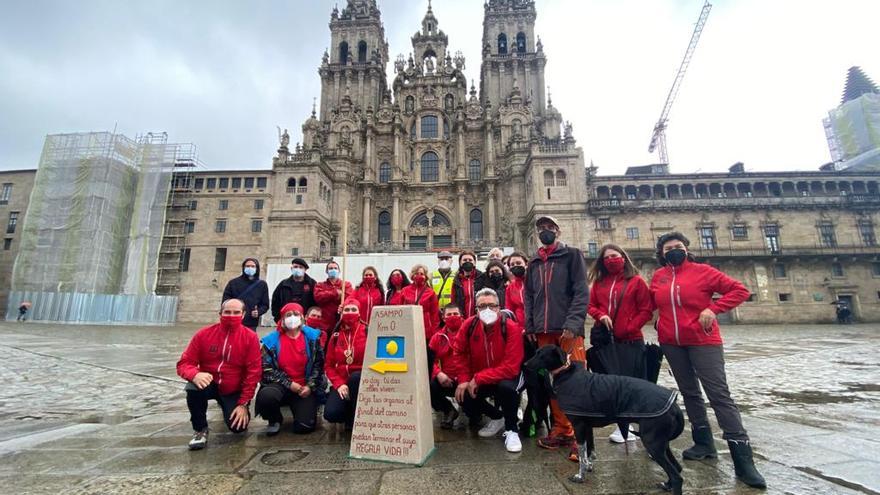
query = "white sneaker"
{"x": 492, "y": 428}
{"x": 512, "y": 442}
{"x": 617, "y": 436}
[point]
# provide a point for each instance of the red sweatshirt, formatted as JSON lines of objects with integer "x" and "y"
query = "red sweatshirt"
{"x": 485, "y": 356}
{"x": 636, "y": 308}
{"x": 396, "y": 299}
{"x": 368, "y": 297}
{"x": 445, "y": 359}
{"x": 335, "y": 367}
{"x": 327, "y": 297}
{"x": 682, "y": 293}
{"x": 426, "y": 298}
{"x": 233, "y": 358}
{"x": 514, "y": 299}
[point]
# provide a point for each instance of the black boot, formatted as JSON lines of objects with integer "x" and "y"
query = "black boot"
{"x": 744, "y": 466}
{"x": 704, "y": 444}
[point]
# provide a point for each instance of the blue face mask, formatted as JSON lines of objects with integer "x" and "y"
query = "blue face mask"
{"x": 332, "y": 273}
{"x": 297, "y": 272}
{"x": 250, "y": 271}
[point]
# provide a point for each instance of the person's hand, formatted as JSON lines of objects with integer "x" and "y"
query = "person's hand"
{"x": 460, "y": 391}
{"x": 606, "y": 320}
{"x": 472, "y": 388}
{"x": 239, "y": 418}
{"x": 567, "y": 334}
{"x": 339, "y": 292}
{"x": 444, "y": 379}
{"x": 532, "y": 338}
{"x": 343, "y": 392}
{"x": 707, "y": 317}
{"x": 304, "y": 392}
{"x": 295, "y": 387}
{"x": 255, "y": 313}
{"x": 202, "y": 380}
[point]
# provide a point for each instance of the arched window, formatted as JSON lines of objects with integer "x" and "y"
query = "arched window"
{"x": 548, "y": 178}
{"x": 521, "y": 42}
{"x": 384, "y": 173}
{"x": 410, "y": 104}
{"x": 421, "y": 220}
{"x": 475, "y": 171}
{"x": 430, "y": 167}
{"x": 303, "y": 184}
{"x": 343, "y": 53}
{"x": 449, "y": 103}
{"x": 502, "y": 44}
{"x": 476, "y": 221}
{"x": 560, "y": 178}
{"x": 384, "y": 226}
{"x": 429, "y": 126}
{"x": 517, "y": 127}
{"x": 362, "y": 51}
{"x": 440, "y": 220}
{"x": 291, "y": 184}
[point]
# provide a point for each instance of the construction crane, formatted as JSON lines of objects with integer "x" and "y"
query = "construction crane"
{"x": 658, "y": 139}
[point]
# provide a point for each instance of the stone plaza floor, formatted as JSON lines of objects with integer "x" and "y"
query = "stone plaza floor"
{"x": 99, "y": 409}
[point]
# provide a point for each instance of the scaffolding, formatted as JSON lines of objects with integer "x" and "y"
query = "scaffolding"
{"x": 173, "y": 254}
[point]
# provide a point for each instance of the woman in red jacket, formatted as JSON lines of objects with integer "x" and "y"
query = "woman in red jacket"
{"x": 688, "y": 331}
{"x": 343, "y": 363}
{"x": 419, "y": 293}
{"x": 397, "y": 280}
{"x": 621, "y": 301}
{"x": 369, "y": 292}
{"x": 328, "y": 294}
{"x": 515, "y": 291}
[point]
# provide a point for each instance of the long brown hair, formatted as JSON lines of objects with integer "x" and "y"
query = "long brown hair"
{"x": 598, "y": 270}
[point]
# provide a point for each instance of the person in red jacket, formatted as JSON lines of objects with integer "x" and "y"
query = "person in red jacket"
{"x": 514, "y": 297}
{"x": 369, "y": 292}
{"x": 222, "y": 362}
{"x": 343, "y": 363}
{"x": 689, "y": 335}
{"x": 314, "y": 319}
{"x": 620, "y": 300}
{"x": 464, "y": 286}
{"x": 329, "y": 293}
{"x": 419, "y": 293}
{"x": 397, "y": 280}
{"x": 446, "y": 366}
{"x": 490, "y": 349}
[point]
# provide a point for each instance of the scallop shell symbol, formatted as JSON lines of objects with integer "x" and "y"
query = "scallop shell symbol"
{"x": 391, "y": 347}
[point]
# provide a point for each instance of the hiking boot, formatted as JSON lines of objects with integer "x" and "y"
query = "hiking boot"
{"x": 273, "y": 429}
{"x": 512, "y": 442}
{"x": 704, "y": 444}
{"x": 492, "y": 428}
{"x": 199, "y": 440}
{"x": 553, "y": 442}
{"x": 449, "y": 418}
{"x": 744, "y": 465}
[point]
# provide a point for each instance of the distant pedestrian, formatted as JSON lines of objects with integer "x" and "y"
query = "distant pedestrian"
{"x": 22, "y": 311}
{"x": 249, "y": 289}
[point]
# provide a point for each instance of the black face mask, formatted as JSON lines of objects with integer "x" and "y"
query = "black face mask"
{"x": 547, "y": 237}
{"x": 467, "y": 266}
{"x": 495, "y": 277}
{"x": 675, "y": 257}
{"x": 518, "y": 271}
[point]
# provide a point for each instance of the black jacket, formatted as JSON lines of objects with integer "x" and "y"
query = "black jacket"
{"x": 556, "y": 292}
{"x": 252, "y": 291}
{"x": 289, "y": 290}
{"x": 458, "y": 290}
{"x": 581, "y": 393}
{"x": 484, "y": 281}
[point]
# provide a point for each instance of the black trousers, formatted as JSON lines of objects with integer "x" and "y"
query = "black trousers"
{"x": 439, "y": 393}
{"x": 197, "y": 403}
{"x": 339, "y": 410}
{"x": 504, "y": 393}
{"x": 273, "y": 396}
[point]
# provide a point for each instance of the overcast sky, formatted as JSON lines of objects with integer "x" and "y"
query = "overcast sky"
{"x": 223, "y": 74}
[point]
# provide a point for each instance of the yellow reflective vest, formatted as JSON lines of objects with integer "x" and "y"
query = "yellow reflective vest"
{"x": 443, "y": 287}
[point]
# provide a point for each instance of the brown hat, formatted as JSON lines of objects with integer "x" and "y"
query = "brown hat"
{"x": 546, "y": 218}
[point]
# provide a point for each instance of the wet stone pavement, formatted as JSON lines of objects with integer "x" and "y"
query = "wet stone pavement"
{"x": 88, "y": 410}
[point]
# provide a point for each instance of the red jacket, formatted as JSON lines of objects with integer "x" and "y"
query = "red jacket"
{"x": 396, "y": 299}
{"x": 427, "y": 299}
{"x": 486, "y": 356}
{"x": 445, "y": 359}
{"x": 368, "y": 297}
{"x": 335, "y": 367}
{"x": 636, "y": 308}
{"x": 682, "y": 293}
{"x": 514, "y": 299}
{"x": 327, "y": 297}
{"x": 463, "y": 293}
{"x": 233, "y": 358}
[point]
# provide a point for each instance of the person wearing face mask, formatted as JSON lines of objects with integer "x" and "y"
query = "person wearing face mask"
{"x": 489, "y": 346}
{"x": 419, "y": 293}
{"x": 620, "y": 300}
{"x": 314, "y": 319}
{"x": 344, "y": 360}
{"x": 556, "y": 298}
{"x": 329, "y": 293}
{"x": 233, "y": 348}
{"x": 493, "y": 278}
{"x": 442, "y": 278}
{"x": 447, "y": 367}
{"x": 299, "y": 287}
{"x": 369, "y": 292}
{"x": 293, "y": 372}
{"x": 514, "y": 293}
{"x": 464, "y": 286}
{"x": 688, "y": 331}
{"x": 251, "y": 290}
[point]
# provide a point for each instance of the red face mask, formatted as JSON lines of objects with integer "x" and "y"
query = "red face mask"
{"x": 369, "y": 280}
{"x": 614, "y": 265}
{"x": 230, "y": 322}
{"x": 397, "y": 280}
{"x": 314, "y": 321}
{"x": 453, "y": 322}
{"x": 350, "y": 319}
{"x": 419, "y": 280}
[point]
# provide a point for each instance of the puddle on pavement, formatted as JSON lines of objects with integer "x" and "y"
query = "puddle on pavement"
{"x": 862, "y": 387}
{"x": 814, "y": 397}
{"x": 107, "y": 419}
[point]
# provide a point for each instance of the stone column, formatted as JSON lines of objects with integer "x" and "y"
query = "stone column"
{"x": 395, "y": 217}
{"x": 365, "y": 225}
{"x": 491, "y": 190}
{"x": 462, "y": 216}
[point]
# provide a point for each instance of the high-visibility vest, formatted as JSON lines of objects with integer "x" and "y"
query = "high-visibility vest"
{"x": 443, "y": 288}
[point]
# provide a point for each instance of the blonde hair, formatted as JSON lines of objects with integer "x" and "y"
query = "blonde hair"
{"x": 418, "y": 267}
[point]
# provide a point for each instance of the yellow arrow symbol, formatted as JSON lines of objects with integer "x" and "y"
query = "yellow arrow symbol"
{"x": 383, "y": 366}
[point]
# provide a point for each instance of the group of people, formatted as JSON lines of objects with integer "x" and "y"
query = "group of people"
{"x": 479, "y": 326}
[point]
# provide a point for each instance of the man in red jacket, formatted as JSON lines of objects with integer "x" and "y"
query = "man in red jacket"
{"x": 446, "y": 365}
{"x": 489, "y": 347}
{"x": 222, "y": 362}
{"x": 329, "y": 294}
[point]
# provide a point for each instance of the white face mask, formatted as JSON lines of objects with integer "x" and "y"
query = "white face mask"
{"x": 445, "y": 264}
{"x": 488, "y": 316}
{"x": 292, "y": 322}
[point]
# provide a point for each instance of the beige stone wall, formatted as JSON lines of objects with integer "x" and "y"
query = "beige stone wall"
{"x": 22, "y": 182}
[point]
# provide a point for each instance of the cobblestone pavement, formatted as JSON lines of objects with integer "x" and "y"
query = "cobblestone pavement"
{"x": 100, "y": 410}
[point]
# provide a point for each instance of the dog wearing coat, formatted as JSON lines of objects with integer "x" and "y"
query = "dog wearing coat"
{"x": 591, "y": 400}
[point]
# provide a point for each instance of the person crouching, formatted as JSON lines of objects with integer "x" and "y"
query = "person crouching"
{"x": 345, "y": 358}
{"x": 446, "y": 366}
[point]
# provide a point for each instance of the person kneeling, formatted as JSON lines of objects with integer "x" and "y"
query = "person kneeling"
{"x": 446, "y": 366}
{"x": 293, "y": 372}
{"x": 490, "y": 348}
{"x": 345, "y": 358}
{"x": 232, "y": 347}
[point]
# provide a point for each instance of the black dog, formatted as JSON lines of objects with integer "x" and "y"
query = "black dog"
{"x": 593, "y": 400}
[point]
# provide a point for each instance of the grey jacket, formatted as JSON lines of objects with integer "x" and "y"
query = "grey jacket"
{"x": 556, "y": 292}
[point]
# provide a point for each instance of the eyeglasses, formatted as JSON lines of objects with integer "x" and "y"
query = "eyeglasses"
{"x": 487, "y": 306}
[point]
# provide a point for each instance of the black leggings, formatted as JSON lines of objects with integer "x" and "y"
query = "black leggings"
{"x": 339, "y": 410}
{"x": 272, "y": 396}
{"x": 505, "y": 396}
{"x": 197, "y": 403}
{"x": 439, "y": 393}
